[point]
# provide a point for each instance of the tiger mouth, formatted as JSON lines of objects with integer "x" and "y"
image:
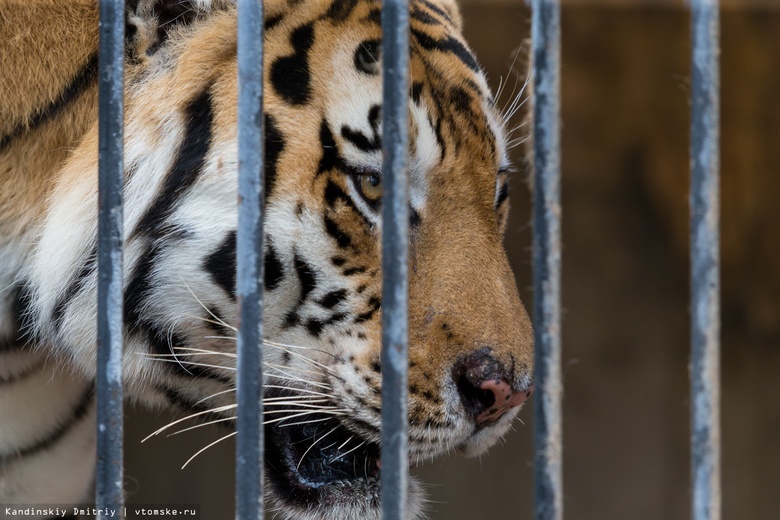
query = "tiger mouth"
{"x": 318, "y": 461}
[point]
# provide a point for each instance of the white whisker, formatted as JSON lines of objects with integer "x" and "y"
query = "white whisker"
{"x": 202, "y": 351}
{"x": 201, "y": 425}
{"x": 214, "y": 395}
{"x": 291, "y": 377}
{"x": 299, "y": 423}
{"x": 209, "y": 446}
{"x": 301, "y": 390}
{"x": 219, "y": 321}
{"x": 301, "y": 414}
{"x": 311, "y": 408}
{"x": 312, "y": 445}
{"x": 345, "y": 442}
{"x": 298, "y": 369}
{"x": 331, "y": 461}
{"x": 191, "y": 416}
{"x": 194, "y": 364}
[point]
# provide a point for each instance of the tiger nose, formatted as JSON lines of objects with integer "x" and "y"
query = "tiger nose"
{"x": 485, "y": 391}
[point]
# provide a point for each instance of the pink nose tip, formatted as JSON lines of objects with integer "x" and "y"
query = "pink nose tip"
{"x": 505, "y": 398}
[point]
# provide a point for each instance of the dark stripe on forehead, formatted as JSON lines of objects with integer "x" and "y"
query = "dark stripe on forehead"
{"x": 290, "y": 75}
{"x": 342, "y": 238}
{"x": 187, "y": 165}
{"x": 274, "y": 146}
{"x": 334, "y": 194}
{"x": 83, "y": 79}
{"x": 417, "y": 88}
{"x": 374, "y": 17}
{"x": 423, "y": 17}
{"x": 436, "y": 9}
{"x": 461, "y": 100}
{"x": 272, "y": 22}
{"x": 341, "y": 9}
{"x": 359, "y": 139}
{"x": 330, "y": 153}
{"x": 448, "y": 45}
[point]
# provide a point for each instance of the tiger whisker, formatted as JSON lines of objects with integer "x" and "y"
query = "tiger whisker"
{"x": 292, "y": 377}
{"x": 205, "y": 351}
{"x": 312, "y": 445}
{"x": 299, "y": 369}
{"x": 517, "y": 142}
{"x": 307, "y": 398}
{"x": 231, "y": 434}
{"x": 302, "y": 414}
{"x": 192, "y": 363}
{"x": 191, "y": 416}
{"x": 219, "y": 321}
{"x": 514, "y": 98}
{"x": 214, "y": 395}
{"x": 331, "y": 461}
{"x": 201, "y": 425}
{"x": 301, "y": 390}
{"x": 279, "y": 345}
{"x": 299, "y": 423}
{"x": 286, "y": 377}
{"x": 346, "y": 442}
{"x": 311, "y": 361}
{"x": 315, "y": 409}
{"x": 206, "y": 320}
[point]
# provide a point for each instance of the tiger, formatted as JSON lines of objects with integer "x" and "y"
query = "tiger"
{"x": 470, "y": 338}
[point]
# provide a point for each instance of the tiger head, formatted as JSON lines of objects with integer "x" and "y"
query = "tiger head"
{"x": 470, "y": 344}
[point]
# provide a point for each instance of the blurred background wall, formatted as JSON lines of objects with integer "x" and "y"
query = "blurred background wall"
{"x": 625, "y": 84}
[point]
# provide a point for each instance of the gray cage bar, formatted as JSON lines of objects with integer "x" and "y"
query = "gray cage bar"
{"x": 705, "y": 261}
{"x": 545, "y": 46}
{"x": 109, "y": 471}
{"x": 249, "y": 251}
{"x": 395, "y": 247}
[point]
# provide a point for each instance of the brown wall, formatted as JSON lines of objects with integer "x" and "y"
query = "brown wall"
{"x": 625, "y": 164}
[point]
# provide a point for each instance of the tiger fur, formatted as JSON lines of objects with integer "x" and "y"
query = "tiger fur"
{"x": 470, "y": 352}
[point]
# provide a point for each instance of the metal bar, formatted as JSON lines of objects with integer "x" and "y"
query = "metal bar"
{"x": 109, "y": 472}
{"x": 249, "y": 247}
{"x": 705, "y": 261}
{"x": 395, "y": 254}
{"x": 545, "y": 44}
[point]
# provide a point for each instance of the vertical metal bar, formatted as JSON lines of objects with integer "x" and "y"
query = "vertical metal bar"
{"x": 108, "y": 485}
{"x": 545, "y": 36}
{"x": 705, "y": 261}
{"x": 249, "y": 441}
{"x": 395, "y": 253}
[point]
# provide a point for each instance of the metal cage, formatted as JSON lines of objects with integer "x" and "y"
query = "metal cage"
{"x": 705, "y": 330}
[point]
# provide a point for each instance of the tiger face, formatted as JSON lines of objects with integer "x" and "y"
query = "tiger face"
{"x": 470, "y": 352}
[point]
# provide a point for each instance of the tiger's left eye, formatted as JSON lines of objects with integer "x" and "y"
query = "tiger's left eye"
{"x": 370, "y": 186}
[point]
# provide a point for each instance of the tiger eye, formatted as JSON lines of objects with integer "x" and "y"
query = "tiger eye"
{"x": 370, "y": 185}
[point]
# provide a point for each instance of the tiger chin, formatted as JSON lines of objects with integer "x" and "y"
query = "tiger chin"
{"x": 470, "y": 350}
